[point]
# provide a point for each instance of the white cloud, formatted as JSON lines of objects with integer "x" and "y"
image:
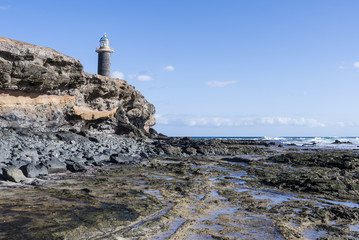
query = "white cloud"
{"x": 169, "y": 68}
{"x": 119, "y": 75}
{"x": 4, "y": 7}
{"x": 140, "y": 77}
{"x": 144, "y": 78}
{"x": 356, "y": 64}
{"x": 220, "y": 83}
{"x": 132, "y": 76}
{"x": 291, "y": 121}
{"x": 210, "y": 121}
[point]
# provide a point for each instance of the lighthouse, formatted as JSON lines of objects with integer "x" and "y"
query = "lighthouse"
{"x": 104, "y": 57}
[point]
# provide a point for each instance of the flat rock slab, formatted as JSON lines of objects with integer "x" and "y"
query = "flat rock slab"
{"x": 56, "y": 166}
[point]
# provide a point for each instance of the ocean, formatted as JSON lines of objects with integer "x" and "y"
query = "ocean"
{"x": 346, "y": 143}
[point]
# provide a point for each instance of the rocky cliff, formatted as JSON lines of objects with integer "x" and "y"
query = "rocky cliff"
{"x": 46, "y": 90}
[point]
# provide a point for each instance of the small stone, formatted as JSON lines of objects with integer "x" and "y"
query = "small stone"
{"x": 19, "y": 163}
{"x": 73, "y": 149}
{"x": 100, "y": 158}
{"x": 33, "y": 170}
{"x": 88, "y": 155}
{"x": 29, "y": 154}
{"x": 108, "y": 151}
{"x": 13, "y": 174}
{"x": 122, "y": 159}
{"x": 77, "y": 159}
{"x": 55, "y": 154}
{"x": 144, "y": 155}
{"x": 4, "y": 159}
{"x": 171, "y": 150}
{"x": 55, "y": 166}
{"x": 76, "y": 167}
{"x": 191, "y": 151}
{"x": 92, "y": 139}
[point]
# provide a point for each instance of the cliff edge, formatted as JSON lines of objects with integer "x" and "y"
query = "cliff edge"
{"x": 43, "y": 89}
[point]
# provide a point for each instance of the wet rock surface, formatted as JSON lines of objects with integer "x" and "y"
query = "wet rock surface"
{"x": 331, "y": 173}
{"x": 121, "y": 188}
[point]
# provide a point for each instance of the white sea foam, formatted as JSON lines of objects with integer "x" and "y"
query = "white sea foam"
{"x": 273, "y": 138}
{"x": 312, "y": 142}
{"x": 325, "y": 142}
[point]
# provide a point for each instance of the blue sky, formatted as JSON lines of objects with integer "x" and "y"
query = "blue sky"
{"x": 212, "y": 67}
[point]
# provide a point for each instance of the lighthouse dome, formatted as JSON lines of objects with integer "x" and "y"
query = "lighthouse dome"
{"x": 104, "y": 38}
{"x": 104, "y": 42}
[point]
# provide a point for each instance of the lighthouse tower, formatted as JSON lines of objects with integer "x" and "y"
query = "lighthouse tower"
{"x": 104, "y": 57}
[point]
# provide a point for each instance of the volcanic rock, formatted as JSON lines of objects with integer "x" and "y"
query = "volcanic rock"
{"x": 47, "y": 90}
{"x": 34, "y": 170}
{"x": 76, "y": 167}
{"x": 13, "y": 174}
{"x": 340, "y": 142}
{"x": 56, "y": 166}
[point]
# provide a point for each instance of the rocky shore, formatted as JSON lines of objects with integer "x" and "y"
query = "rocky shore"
{"x": 80, "y": 160}
{"x": 42, "y": 153}
{"x": 114, "y": 187}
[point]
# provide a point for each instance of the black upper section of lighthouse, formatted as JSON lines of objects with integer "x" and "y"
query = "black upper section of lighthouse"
{"x": 104, "y": 57}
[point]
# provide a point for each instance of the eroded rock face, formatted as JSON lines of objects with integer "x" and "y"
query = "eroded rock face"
{"x": 29, "y": 67}
{"x": 44, "y": 89}
{"x": 42, "y": 86}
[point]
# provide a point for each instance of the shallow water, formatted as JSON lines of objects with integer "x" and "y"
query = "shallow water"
{"x": 155, "y": 193}
{"x": 354, "y": 228}
{"x": 214, "y": 215}
{"x": 215, "y": 227}
{"x": 202, "y": 207}
{"x": 199, "y": 237}
{"x": 215, "y": 194}
{"x": 260, "y": 227}
{"x": 173, "y": 228}
{"x": 313, "y": 234}
{"x": 347, "y": 204}
{"x": 275, "y": 197}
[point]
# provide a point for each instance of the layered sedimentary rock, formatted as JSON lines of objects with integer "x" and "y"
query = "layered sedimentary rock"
{"x": 45, "y": 89}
